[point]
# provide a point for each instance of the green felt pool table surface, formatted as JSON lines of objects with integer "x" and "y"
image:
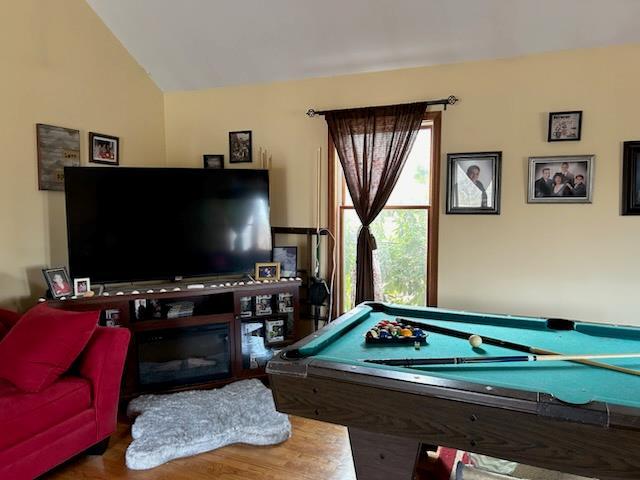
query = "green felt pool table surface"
{"x": 567, "y": 381}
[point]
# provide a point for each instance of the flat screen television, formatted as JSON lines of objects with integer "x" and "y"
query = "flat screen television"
{"x": 134, "y": 224}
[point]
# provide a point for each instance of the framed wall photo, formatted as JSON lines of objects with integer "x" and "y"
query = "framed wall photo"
{"x": 58, "y": 282}
{"x": 213, "y": 161}
{"x": 104, "y": 149}
{"x": 631, "y": 178}
{"x": 473, "y": 183}
{"x": 288, "y": 259}
{"x": 240, "y": 149}
{"x": 58, "y": 147}
{"x": 565, "y": 126}
{"x": 560, "y": 179}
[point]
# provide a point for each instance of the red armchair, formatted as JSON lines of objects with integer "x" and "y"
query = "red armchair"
{"x": 41, "y": 430}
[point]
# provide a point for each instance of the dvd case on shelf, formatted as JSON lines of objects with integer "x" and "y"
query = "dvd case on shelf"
{"x": 263, "y": 305}
{"x": 246, "y": 309}
{"x": 285, "y": 302}
{"x": 274, "y": 331}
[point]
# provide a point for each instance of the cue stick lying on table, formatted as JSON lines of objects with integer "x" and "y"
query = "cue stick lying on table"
{"x": 511, "y": 345}
{"x": 416, "y": 362}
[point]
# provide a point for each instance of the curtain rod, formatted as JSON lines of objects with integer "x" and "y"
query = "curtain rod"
{"x": 450, "y": 100}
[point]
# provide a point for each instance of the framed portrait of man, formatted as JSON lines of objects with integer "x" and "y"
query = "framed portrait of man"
{"x": 631, "y": 178}
{"x": 560, "y": 179}
{"x": 473, "y": 183}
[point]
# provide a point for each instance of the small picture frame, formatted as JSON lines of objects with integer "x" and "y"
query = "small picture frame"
{"x": 263, "y": 305}
{"x": 473, "y": 183}
{"x": 560, "y": 179}
{"x": 274, "y": 331}
{"x": 104, "y": 149}
{"x": 58, "y": 282}
{"x": 81, "y": 286}
{"x": 288, "y": 259}
{"x": 565, "y": 126}
{"x": 213, "y": 161}
{"x": 268, "y": 271}
{"x": 240, "y": 148}
{"x": 631, "y": 178}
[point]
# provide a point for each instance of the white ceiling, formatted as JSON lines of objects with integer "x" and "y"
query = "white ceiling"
{"x": 195, "y": 44}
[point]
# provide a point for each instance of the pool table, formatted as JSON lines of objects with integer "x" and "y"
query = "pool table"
{"x": 559, "y": 415}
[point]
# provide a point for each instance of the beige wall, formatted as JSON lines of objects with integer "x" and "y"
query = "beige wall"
{"x": 577, "y": 261}
{"x": 62, "y": 66}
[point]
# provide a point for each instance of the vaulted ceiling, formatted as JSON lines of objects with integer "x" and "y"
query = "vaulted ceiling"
{"x": 195, "y": 44}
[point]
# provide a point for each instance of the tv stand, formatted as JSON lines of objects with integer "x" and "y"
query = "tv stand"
{"x": 185, "y": 338}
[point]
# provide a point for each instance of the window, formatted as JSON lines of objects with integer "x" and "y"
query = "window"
{"x": 405, "y": 230}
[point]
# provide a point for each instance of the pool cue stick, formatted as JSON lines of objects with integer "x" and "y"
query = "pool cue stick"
{"x": 416, "y": 362}
{"x": 512, "y": 345}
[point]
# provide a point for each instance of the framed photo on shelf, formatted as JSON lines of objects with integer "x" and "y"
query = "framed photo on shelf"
{"x": 268, "y": 271}
{"x": 240, "y": 149}
{"x": 274, "y": 331}
{"x": 263, "y": 305}
{"x": 560, "y": 179}
{"x": 565, "y": 126}
{"x": 287, "y": 257}
{"x": 213, "y": 161}
{"x": 58, "y": 282}
{"x": 81, "y": 286}
{"x": 473, "y": 183}
{"x": 631, "y": 178}
{"x": 104, "y": 149}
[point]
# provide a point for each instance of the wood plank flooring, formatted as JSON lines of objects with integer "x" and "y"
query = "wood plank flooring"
{"x": 315, "y": 451}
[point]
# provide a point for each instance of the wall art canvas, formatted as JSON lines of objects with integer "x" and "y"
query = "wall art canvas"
{"x": 58, "y": 147}
{"x": 240, "y": 149}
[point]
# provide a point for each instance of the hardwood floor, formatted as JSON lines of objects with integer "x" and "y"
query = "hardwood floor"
{"x": 315, "y": 451}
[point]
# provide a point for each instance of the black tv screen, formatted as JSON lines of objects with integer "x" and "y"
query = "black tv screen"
{"x": 134, "y": 224}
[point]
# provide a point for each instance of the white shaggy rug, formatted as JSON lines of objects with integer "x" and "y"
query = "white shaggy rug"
{"x": 187, "y": 423}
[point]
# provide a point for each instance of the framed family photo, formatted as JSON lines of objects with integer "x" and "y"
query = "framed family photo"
{"x": 240, "y": 149}
{"x": 213, "y": 161}
{"x": 104, "y": 149}
{"x": 473, "y": 183}
{"x": 560, "y": 179}
{"x": 81, "y": 286}
{"x": 565, "y": 126}
{"x": 58, "y": 282}
{"x": 631, "y": 178}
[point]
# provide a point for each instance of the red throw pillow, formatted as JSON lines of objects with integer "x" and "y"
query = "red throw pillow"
{"x": 43, "y": 345}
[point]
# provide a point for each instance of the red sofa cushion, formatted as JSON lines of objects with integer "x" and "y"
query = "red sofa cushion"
{"x": 7, "y": 320}
{"x": 43, "y": 344}
{"x": 23, "y": 415}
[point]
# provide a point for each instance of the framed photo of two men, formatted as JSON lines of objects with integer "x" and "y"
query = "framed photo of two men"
{"x": 561, "y": 179}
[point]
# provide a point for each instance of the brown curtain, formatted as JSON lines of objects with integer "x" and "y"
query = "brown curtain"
{"x": 373, "y": 145}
